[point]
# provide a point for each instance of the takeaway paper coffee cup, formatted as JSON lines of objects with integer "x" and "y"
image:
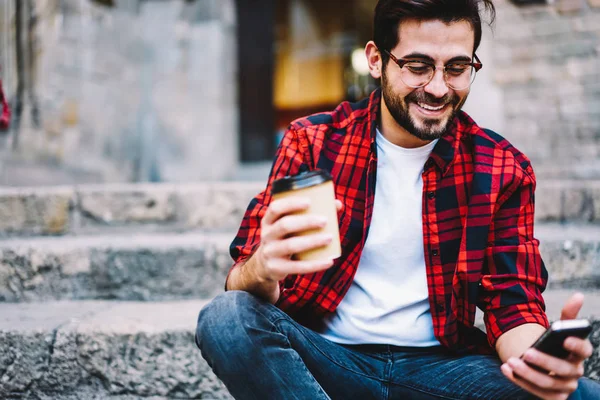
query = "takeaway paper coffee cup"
{"x": 318, "y": 187}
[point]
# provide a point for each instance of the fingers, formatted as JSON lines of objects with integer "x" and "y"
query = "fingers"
{"x": 339, "y": 206}
{"x": 291, "y": 224}
{"x": 561, "y": 368}
{"x": 297, "y": 244}
{"x": 525, "y": 372}
{"x": 531, "y": 388}
{"x": 306, "y": 267}
{"x": 580, "y": 349}
{"x": 539, "y": 380}
{"x": 279, "y": 268}
{"x": 572, "y": 307}
{"x": 280, "y": 240}
{"x": 281, "y": 207}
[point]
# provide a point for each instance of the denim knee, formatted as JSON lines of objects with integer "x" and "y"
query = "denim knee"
{"x": 223, "y": 318}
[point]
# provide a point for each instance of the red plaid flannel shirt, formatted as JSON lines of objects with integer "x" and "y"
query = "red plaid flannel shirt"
{"x": 478, "y": 204}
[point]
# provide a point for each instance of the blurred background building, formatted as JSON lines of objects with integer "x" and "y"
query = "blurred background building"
{"x": 174, "y": 90}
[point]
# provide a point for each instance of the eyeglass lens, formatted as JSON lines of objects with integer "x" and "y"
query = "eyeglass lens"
{"x": 457, "y": 76}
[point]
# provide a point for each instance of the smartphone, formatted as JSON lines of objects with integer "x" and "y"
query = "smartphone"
{"x": 552, "y": 341}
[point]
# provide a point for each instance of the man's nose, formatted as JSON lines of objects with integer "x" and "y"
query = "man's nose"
{"x": 437, "y": 87}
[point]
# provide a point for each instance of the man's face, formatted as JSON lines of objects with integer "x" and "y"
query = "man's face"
{"x": 426, "y": 112}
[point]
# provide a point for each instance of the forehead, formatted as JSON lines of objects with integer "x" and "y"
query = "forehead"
{"x": 435, "y": 38}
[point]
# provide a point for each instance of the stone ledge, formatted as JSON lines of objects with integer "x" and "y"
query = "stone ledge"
{"x": 189, "y": 206}
{"x": 53, "y": 350}
{"x": 96, "y": 209}
{"x": 179, "y": 266}
{"x": 104, "y": 208}
{"x": 33, "y": 212}
{"x": 127, "y": 267}
{"x": 132, "y": 349}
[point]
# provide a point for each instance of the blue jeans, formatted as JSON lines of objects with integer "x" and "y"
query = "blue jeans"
{"x": 259, "y": 352}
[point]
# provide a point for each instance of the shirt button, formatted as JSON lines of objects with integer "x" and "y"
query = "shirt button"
{"x": 431, "y": 195}
{"x": 435, "y": 252}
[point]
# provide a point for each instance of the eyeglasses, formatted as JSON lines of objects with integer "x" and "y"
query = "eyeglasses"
{"x": 458, "y": 75}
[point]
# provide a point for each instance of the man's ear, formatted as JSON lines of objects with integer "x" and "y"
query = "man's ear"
{"x": 374, "y": 59}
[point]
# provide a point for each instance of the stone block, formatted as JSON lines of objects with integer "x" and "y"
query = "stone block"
{"x": 571, "y": 253}
{"x": 114, "y": 349}
{"x": 217, "y": 206}
{"x": 575, "y": 204}
{"x": 183, "y": 206}
{"x": 116, "y": 205}
{"x": 23, "y": 360}
{"x": 507, "y": 30}
{"x": 31, "y": 349}
{"x": 553, "y": 26}
{"x": 589, "y": 22}
{"x": 530, "y": 108}
{"x": 571, "y": 262}
{"x": 518, "y": 75}
{"x": 580, "y": 68}
{"x": 548, "y": 202}
{"x": 581, "y": 108}
{"x": 116, "y": 267}
{"x": 567, "y": 200}
{"x": 32, "y": 211}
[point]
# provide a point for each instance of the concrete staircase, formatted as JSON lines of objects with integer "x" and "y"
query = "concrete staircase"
{"x": 100, "y": 286}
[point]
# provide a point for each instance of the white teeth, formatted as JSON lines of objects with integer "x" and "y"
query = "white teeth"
{"x": 428, "y": 107}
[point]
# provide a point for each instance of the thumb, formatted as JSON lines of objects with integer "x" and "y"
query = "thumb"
{"x": 572, "y": 307}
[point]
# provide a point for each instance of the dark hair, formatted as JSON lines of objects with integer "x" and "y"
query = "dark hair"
{"x": 389, "y": 14}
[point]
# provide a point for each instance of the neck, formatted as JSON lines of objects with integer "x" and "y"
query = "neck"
{"x": 392, "y": 131}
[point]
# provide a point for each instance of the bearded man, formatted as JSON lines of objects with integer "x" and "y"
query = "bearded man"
{"x": 436, "y": 219}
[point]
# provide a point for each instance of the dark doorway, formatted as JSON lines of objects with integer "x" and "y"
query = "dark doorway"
{"x": 256, "y": 21}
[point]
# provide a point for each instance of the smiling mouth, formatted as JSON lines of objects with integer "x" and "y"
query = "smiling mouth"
{"x": 431, "y": 108}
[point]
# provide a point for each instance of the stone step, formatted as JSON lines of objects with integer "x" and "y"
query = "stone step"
{"x": 100, "y": 349}
{"x": 111, "y": 208}
{"x": 126, "y": 267}
{"x": 178, "y": 266}
{"x": 571, "y": 253}
{"x": 568, "y": 201}
{"x": 91, "y": 209}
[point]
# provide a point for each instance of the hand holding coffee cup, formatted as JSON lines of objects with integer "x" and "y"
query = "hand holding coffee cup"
{"x": 299, "y": 232}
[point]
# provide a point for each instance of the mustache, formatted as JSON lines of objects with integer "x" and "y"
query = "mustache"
{"x": 424, "y": 97}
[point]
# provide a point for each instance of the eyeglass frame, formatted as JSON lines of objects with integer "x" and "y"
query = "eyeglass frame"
{"x": 401, "y": 62}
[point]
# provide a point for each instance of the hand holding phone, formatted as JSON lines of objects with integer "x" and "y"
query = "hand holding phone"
{"x": 552, "y": 341}
{"x": 547, "y": 369}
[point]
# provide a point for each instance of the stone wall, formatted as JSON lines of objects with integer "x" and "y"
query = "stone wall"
{"x": 142, "y": 91}
{"x": 148, "y": 93}
{"x": 546, "y": 62}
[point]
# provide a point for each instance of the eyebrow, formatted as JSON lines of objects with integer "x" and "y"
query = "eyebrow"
{"x": 422, "y": 56}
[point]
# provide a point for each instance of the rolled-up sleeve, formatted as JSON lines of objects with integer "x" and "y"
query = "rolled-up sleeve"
{"x": 514, "y": 275}
{"x": 289, "y": 160}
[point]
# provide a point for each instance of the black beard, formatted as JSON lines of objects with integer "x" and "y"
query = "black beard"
{"x": 398, "y": 108}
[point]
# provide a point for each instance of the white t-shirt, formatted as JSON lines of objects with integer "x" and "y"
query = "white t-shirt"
{"x": 388, "y": 301}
